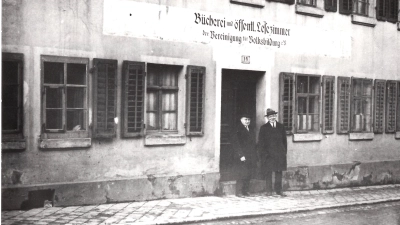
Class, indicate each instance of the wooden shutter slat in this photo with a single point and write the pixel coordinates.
(104, 110)
(328, 97)
(391, 105)
(379, 105)
(195, 100)
(343, 105)
(286, 100)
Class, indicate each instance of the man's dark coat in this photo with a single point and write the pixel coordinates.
(272, 147)
(244, 144)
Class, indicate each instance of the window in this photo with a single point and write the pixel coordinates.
(328, 96)
(104, 98)
(361, 105)
(133, 97)
(299, 107)
(345, 6)
(331, 5)
(379, 105)
(64, 97)
(308, 2)
(391, 104)
(307, 103)
(195, 100)
(12, 92)
(387, 10)
(162, 98)
(361, 7)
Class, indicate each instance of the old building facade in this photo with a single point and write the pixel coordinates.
(122, 100)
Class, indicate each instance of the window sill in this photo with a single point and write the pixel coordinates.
(397, 135)
(307, 137)
(309, 11)
(17, 144)
(361, 136)
(65, 143)
(257, 3)
(164, 139)
(363, 20)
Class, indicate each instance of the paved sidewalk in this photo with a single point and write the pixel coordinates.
(174, 211)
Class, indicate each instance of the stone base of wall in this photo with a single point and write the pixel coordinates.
(100, 192)
(333, 176)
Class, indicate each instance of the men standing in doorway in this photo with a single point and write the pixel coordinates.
(244, 146)
(272, 147)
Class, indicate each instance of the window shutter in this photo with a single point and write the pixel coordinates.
(286, 100)
(392, 10)
(345, 6)
(391, 105)
(343, 105)
(381, 10)
(379, 105)
(331, 5)
(398, 107)
(104, 97)
(328, 97)
(195, 100)
(133, 97)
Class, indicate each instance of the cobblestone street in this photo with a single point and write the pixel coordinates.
(173, 211)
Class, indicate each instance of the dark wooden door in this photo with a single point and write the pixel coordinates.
(238, 96)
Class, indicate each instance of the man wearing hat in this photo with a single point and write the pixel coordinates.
(272, 147)
(244, 145)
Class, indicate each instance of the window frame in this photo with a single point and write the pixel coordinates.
(353, 97)
(307, 95)
(304, 3)
(366, 4)
(159, 90)
(15, 133)
(64, 133)
(106, 132)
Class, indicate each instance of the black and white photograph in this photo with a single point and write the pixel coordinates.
(267, 112)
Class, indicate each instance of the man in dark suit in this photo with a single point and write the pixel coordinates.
(272, 147)
(244, 145)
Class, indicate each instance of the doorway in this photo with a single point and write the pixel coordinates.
(238, 96)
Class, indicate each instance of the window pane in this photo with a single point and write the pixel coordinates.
(76, 120)
(303, 122)
(313, 105)
(75, 97)
(54, 97)
(302, 84)
(76, 73)
(314, 84)
(357, 87)
(10, 96)
(314, 122)
(152, 101)
(54, 119)
(169, 121)
(302, 105)
(367, 114)
(53, 73)
(169, 79)
(169, 101)
(9, 118)
(152, 121)
(152, 78)
(367, 90)
(10, 72)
